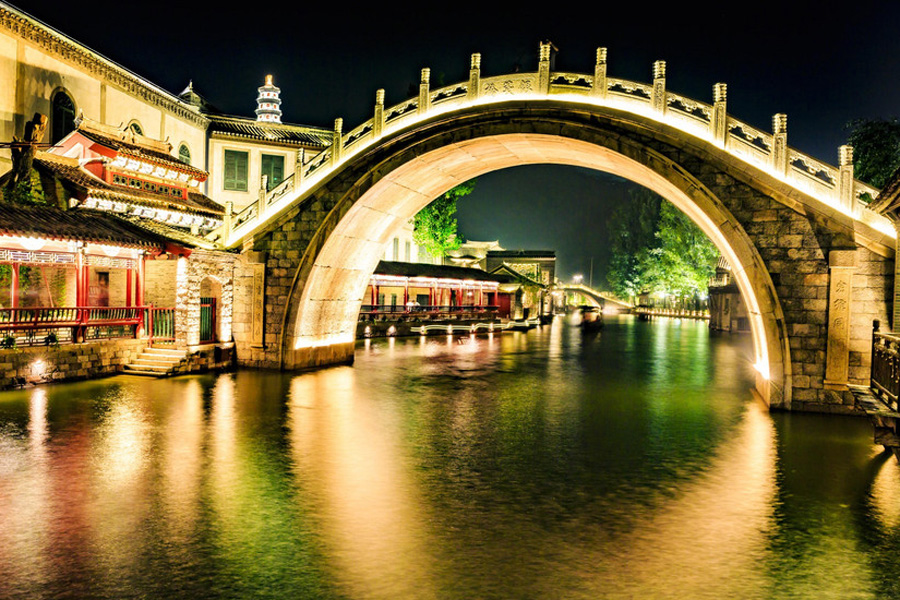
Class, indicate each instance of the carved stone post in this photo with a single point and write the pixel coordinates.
(474, 77)
(425, 92)
(718, 122)
(261, 195)
(837, 352)
(846, 197)
(227, 219)
(600, 87)
(337, 142)
(378, 120)
(544, 69)
(299, 161)
(779, 144)
(658, 96)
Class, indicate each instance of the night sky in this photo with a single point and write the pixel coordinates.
(823, 64)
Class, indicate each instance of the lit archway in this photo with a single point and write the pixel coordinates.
(330, 283)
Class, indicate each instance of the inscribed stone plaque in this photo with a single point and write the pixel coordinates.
(837, 358)
(258, 305)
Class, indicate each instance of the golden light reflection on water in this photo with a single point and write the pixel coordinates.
(350, 455)
(886, 495)
(508, 466)
(182, 457)
(708, 538)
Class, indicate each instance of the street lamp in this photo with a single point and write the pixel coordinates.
(577, 278)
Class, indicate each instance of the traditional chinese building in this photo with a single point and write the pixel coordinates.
(402, 294)
(101, 239)
(727, 310)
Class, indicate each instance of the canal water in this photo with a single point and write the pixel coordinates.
(634, 463)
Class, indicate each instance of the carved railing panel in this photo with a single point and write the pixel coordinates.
(696, 118)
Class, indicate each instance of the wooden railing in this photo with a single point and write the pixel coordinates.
(71, 323)
(671, 312)
(769, 152)
(372, 311)
(885, 374)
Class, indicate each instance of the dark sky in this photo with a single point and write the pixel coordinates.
(823, 64)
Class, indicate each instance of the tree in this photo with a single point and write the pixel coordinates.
(632, 228)
(656, 247)
(876, 149)
(435, 227)
(685, 259)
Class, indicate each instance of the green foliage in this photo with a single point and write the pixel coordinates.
(27, 191)
(434, 227)
(632, 229)
(686, 258)
(656, 247)
(876, 149)
(8, 342)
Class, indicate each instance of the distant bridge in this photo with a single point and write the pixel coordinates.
(599, 297)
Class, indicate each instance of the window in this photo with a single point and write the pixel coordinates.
(62, 116)
(273, 166)
(407, 248)
(396, 250)
(235, 171)
(136, 127)
(184, 154)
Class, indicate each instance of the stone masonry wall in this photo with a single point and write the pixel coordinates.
(40, 364)
(159, 282)
(200, 265)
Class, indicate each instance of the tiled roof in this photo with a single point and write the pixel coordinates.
(405, 269)
(282, 133)
(545, 254)
(84, 184)
(129, 144)
(78, 224)
(178, 234)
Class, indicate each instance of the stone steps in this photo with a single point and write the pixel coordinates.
(156, 362)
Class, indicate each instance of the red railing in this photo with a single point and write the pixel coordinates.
(74, 323)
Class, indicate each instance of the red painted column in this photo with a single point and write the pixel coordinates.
(139, 280)
(15, 285)
(128, 280)
(406, 295)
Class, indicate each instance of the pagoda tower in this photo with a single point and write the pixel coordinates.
(268, 103)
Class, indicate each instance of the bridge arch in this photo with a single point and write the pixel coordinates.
(380, 189)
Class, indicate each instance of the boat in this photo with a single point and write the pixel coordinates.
(591, 318)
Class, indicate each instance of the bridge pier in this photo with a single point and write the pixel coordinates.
(313, 357)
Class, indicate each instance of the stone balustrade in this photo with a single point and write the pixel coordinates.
(768, 152)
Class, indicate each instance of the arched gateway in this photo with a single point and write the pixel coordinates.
(792, 253)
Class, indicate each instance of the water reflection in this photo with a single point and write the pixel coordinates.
(633, 463)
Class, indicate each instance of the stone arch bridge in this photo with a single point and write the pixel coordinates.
(595, 296)
(813, 263)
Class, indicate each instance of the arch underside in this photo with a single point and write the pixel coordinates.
(395, 185)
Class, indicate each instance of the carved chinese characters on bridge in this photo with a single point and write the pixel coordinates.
(837, 359)
(509, 86)
(258, 309)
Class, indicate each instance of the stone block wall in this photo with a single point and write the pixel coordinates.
(40, 364)
(159, 282)
(873, 283)
(199, 266)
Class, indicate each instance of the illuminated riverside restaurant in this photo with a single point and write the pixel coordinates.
(401, 294)
(101, 240)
